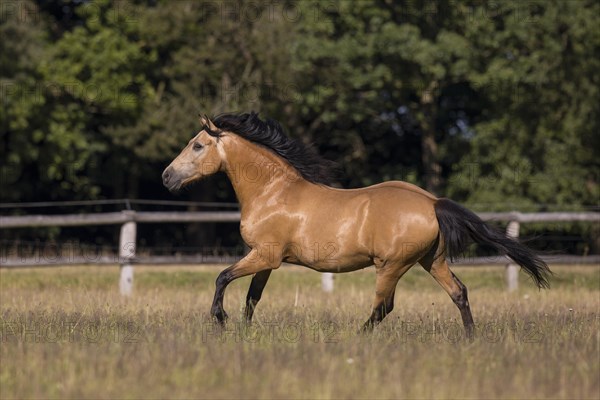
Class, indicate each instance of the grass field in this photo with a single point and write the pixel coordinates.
(66, 333)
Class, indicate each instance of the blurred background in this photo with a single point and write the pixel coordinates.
(494, 104)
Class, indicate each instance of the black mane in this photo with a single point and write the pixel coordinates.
(270, 134)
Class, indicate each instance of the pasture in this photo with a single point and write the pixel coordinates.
(66, 332)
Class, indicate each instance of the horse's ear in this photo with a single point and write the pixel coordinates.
(206, 122)
(203, 119)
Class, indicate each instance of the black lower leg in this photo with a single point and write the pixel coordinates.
(378, 315)
(257, 286)
(462, 302)
(217, 310)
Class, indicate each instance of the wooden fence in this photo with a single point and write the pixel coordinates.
(129, 220)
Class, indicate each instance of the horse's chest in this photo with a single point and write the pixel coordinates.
(246, 231)
(258, 230)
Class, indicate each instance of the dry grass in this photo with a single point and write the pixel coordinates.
(67, 333)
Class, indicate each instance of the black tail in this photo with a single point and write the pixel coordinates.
(460, 227)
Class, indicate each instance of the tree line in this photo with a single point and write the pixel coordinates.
(494, 104)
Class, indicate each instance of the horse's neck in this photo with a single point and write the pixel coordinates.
(256, 172)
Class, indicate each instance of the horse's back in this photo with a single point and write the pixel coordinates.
(389, 219)
(409, 187)
(390, 195)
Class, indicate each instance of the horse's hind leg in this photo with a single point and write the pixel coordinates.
(259, 281)
(438, 268)
(388, 276)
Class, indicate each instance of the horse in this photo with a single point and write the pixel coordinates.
(290, 214)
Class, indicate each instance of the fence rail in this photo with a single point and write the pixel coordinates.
(117, 218)
(209, 259)
(540, 216)
(129, 219)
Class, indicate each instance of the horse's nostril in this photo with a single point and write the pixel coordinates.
(166, 177)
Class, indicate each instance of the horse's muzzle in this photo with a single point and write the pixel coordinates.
(170, 180)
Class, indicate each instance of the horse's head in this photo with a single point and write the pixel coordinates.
(198, 159)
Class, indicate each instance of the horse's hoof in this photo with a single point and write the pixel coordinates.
(366, 329)
(220, 316)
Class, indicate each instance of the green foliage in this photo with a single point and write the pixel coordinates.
(493, 104)
(535, 143)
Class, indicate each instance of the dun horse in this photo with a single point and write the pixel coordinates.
(289, 214)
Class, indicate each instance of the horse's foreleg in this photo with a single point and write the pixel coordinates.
(385, 288)
(257, 285)
(251, 264)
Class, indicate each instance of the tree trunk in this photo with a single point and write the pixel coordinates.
(429, 149)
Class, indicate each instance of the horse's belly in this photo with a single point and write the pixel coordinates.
(329, 261)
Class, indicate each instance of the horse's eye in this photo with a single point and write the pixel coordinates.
(197, 146)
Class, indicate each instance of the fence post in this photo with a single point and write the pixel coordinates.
(512, 269)
(127, 245)
(327, 282)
